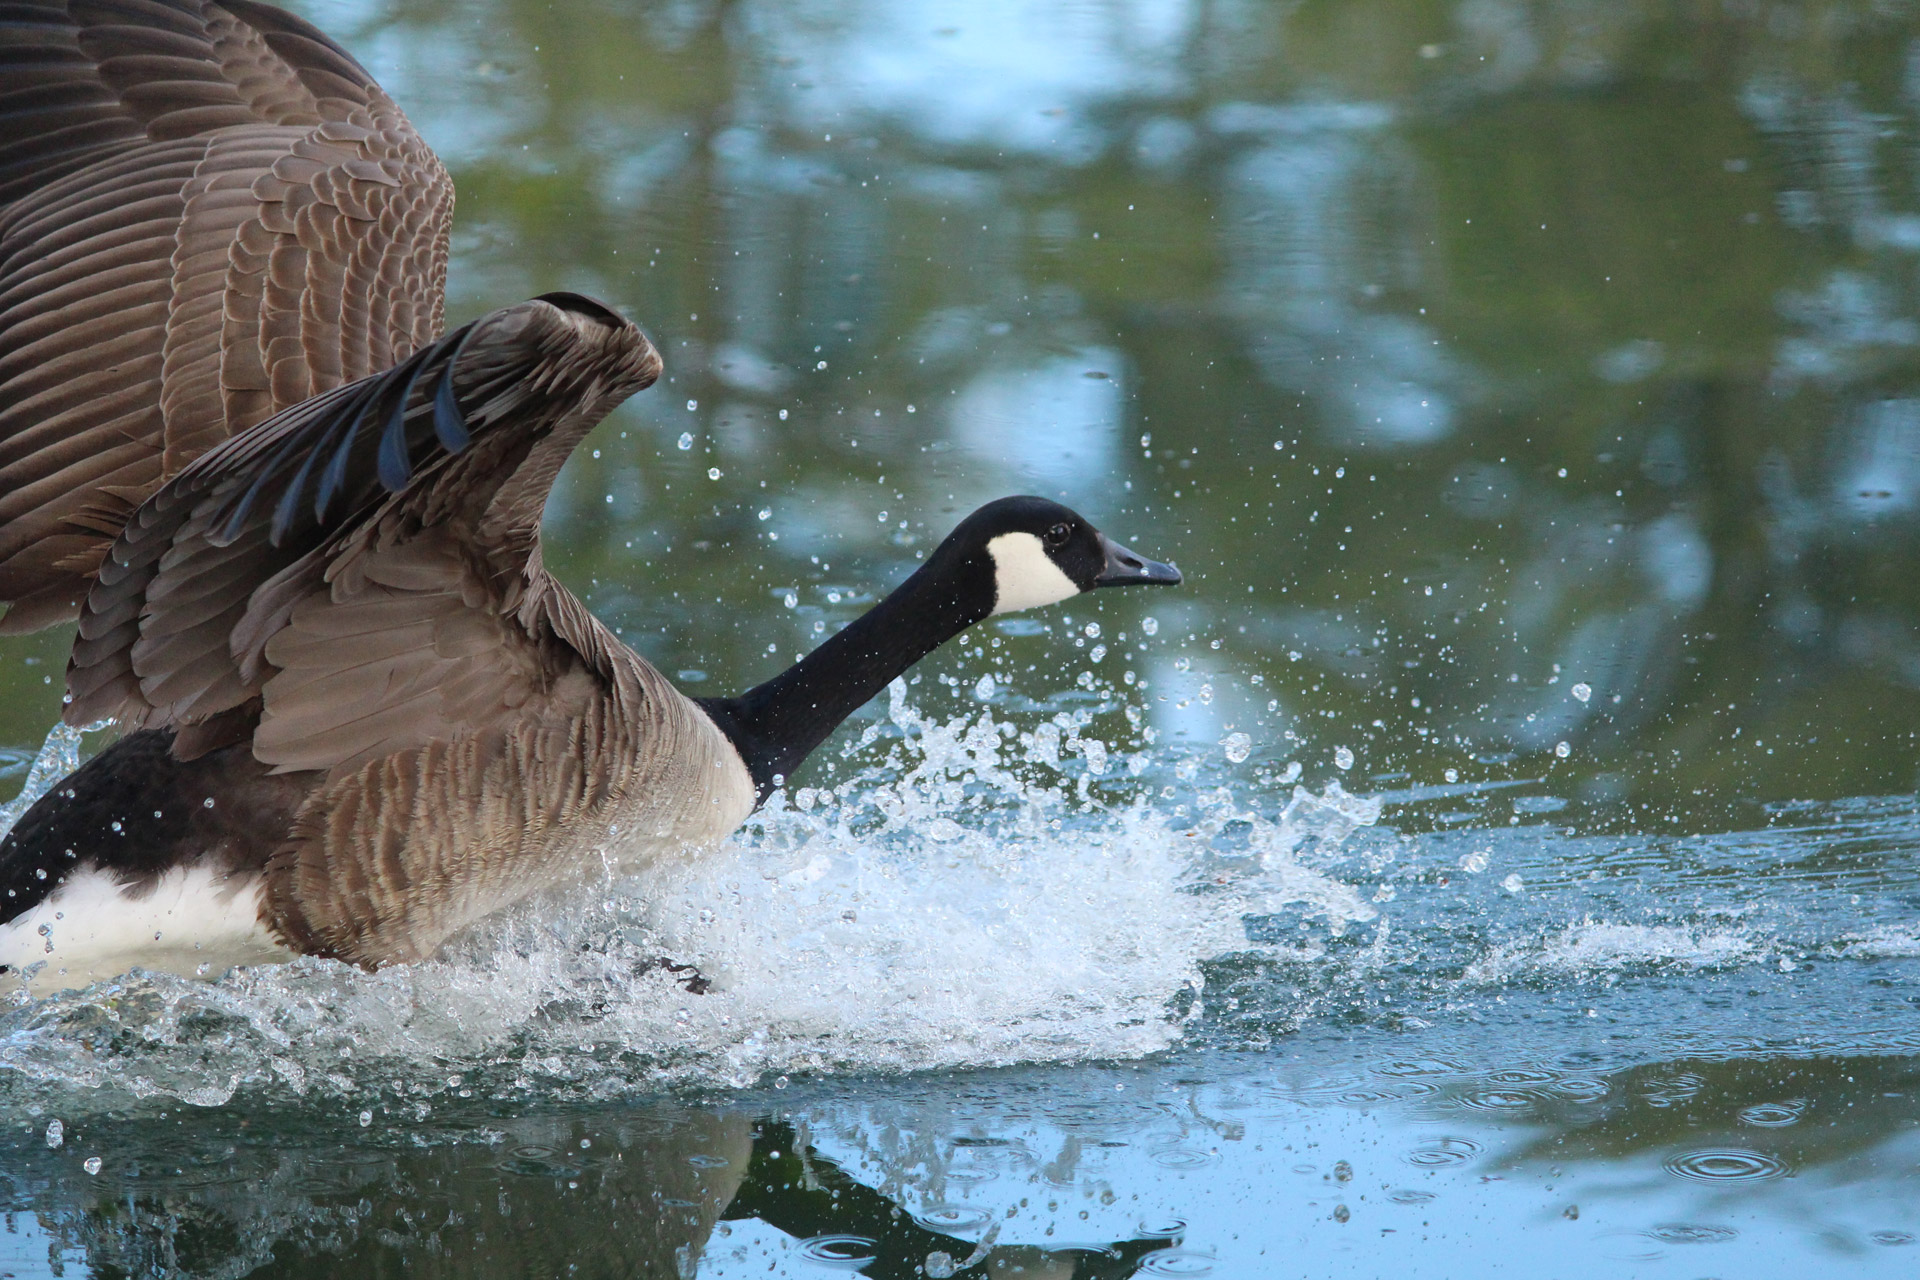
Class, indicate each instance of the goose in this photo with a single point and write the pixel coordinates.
(361, 716)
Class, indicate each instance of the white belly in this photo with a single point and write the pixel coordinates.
(191, 922)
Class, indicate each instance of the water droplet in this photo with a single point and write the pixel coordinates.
(685, 441)
(766, 513)
(1151, 626)
(713, 473)
(1451, 775)
(1563, 749)
(779, 1082)
(1474, 863)
(790, 600)
(1582, 692)
(366, 1119)
(783, 415)
(1342, 1171)
(1092, 630)
(1513, 883)
(92, 1165)
(1206, 695)
(983, 688)
(692, 405)
(1238, 746)
(938, 1265)
(1343, 758)
(1341, 1213)
(56, 1133)
(1571, 1213)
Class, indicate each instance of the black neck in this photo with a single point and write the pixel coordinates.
(776, 725)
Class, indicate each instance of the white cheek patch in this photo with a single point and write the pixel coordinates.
(1024, 575)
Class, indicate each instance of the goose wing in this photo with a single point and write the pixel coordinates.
(209, 212)
(361, 574)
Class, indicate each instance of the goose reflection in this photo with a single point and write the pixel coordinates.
(634, 1193)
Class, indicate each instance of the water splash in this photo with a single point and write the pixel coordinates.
(1593, 946)
(59, 756)
(978, 893)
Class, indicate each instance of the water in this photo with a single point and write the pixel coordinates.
(1500, 851)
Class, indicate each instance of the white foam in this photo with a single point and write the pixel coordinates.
(1593, 946)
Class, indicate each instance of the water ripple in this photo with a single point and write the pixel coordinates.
(953, 1218)
(1726, 1164)
(1177, 1262)
(1581, 1089)
(1691, 1233)
(1181, 1158)
(1774, 1115)
(1442, 1152)
(1499, 1099)
(839, 1251)
(1521, 1075)
(1405, 1067)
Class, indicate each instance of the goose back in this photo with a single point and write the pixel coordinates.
(209, 212)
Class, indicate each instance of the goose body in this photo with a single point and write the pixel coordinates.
(358, 713)
(361, 715)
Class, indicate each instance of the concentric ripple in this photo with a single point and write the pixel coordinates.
(1442, 1152)
(1181, 1158)
(1499, 1099)
(1774, 1115)
(1726, 1164)
(1161, 1228)
(1177, 1262)
(839, 1250)
(953, 1218)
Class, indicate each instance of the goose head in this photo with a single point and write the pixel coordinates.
(1012, 554)
(1030, 552)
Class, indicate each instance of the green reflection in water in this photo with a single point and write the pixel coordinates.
(1440, 257)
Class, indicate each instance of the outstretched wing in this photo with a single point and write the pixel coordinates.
(361, 574)
(209, 212)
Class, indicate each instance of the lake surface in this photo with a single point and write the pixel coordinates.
(1502, 856)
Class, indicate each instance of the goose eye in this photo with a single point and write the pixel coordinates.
(1057, 536)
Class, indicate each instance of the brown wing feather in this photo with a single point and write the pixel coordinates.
(208, 213)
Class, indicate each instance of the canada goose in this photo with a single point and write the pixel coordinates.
(208, 213)
(362, 714)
